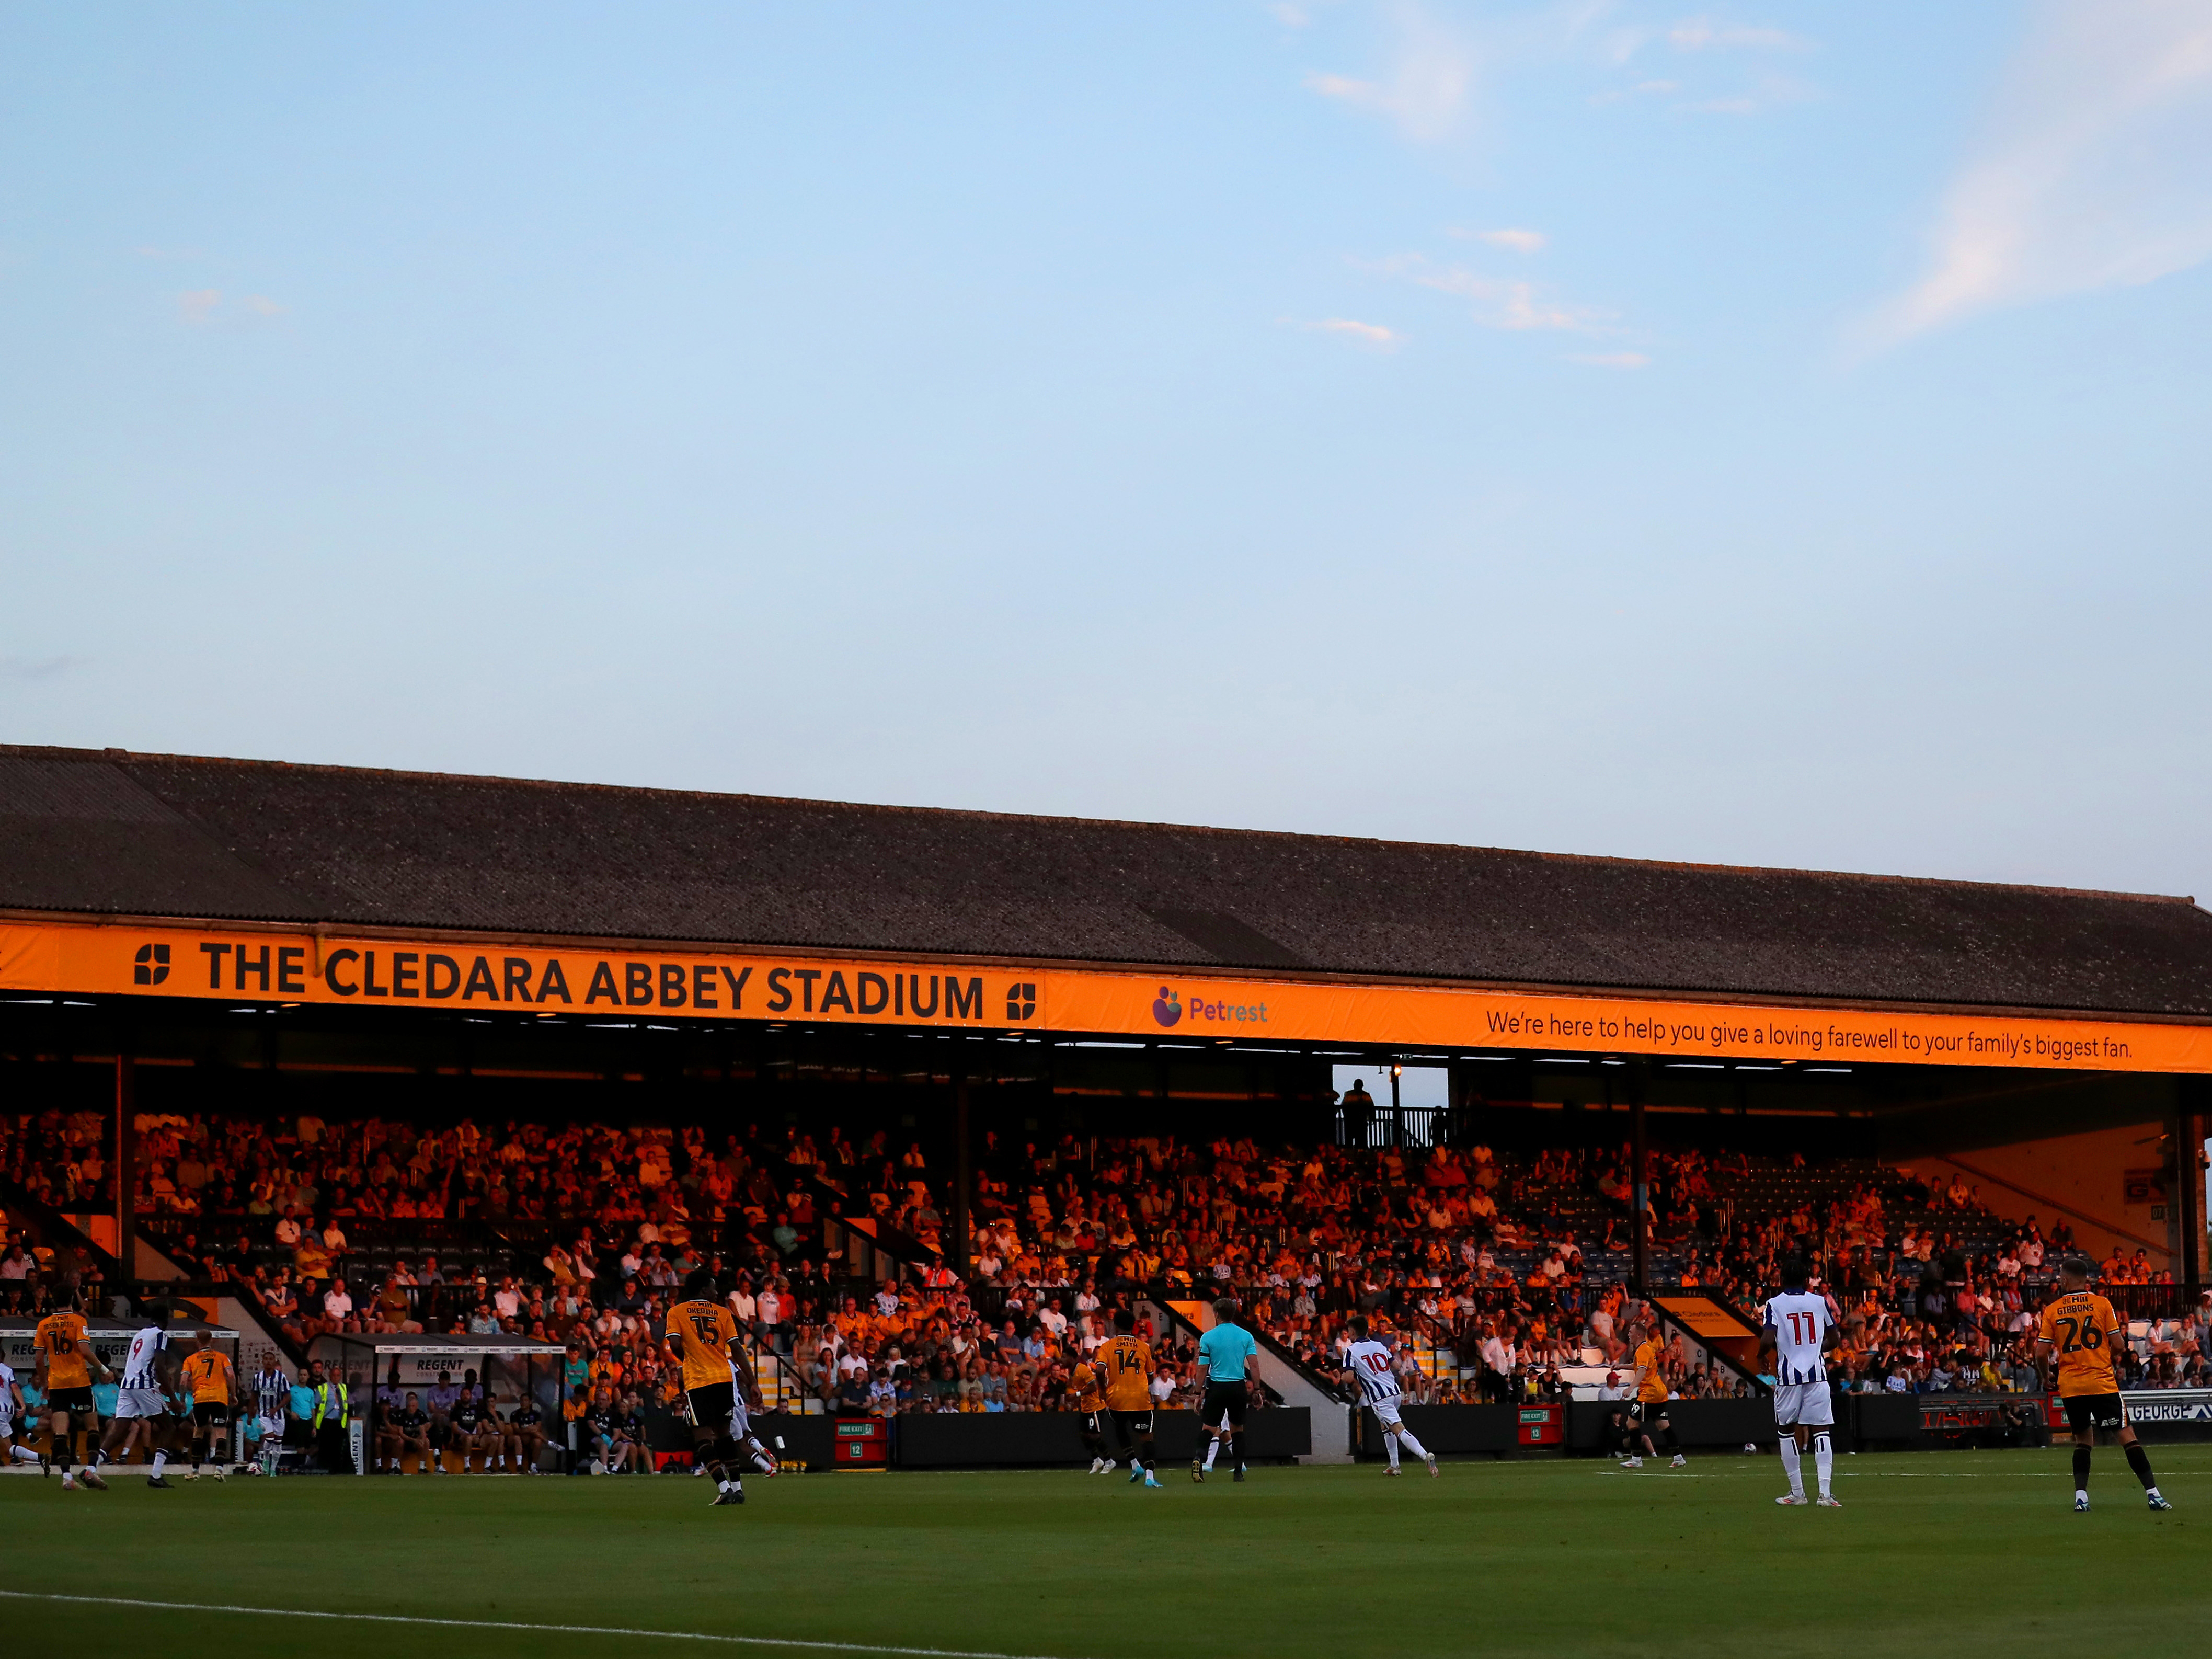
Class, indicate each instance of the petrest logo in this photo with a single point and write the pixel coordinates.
(151, 965)
(1228, 1013)
(1169, 1009)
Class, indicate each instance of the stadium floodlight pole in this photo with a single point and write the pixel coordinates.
(1640, 1182)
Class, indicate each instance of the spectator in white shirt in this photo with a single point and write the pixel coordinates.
(742, 1302)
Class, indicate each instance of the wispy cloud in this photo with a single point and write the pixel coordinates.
(1509, 303)
(1708, 37)
(1516, 241)
(201, 307)
(1367, 334)
(30, 671)
(1610, 359)
(1705, 34)
(1426, 89)
(2091, 172)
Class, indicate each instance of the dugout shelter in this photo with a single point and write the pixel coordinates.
(421, 1360)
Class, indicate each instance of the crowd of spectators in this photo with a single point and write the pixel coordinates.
(1511, 1264)
(60, 1160)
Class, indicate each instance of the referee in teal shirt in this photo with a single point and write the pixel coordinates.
(1224, 1352)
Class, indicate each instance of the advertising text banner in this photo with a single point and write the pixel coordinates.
(279, 966)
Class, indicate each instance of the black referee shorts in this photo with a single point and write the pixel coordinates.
(1228, 1399)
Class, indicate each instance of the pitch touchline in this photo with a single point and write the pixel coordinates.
(505, 1623)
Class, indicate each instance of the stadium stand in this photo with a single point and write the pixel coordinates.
(454, 1162)
(1502, 1272)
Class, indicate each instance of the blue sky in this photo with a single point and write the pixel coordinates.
(1764, 434)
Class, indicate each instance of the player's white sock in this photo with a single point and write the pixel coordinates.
(1791, 1467)
(1823, 1460)
(160, 1461)
(1412, 1444)
(762, 1461)
(27, 1455)
(1390, 1445)
(1211, 1446)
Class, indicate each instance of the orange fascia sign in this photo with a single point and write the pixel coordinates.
(266, 965)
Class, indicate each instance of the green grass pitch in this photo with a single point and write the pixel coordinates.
(1496, 1558)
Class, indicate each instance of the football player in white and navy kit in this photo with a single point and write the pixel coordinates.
(744, 1399)
(1798, 1330)
(11, 1411)
(1373, 1365)
(272, 1393)
(141, 1404)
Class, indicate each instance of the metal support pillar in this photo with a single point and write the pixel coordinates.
(956, 1254)
(1397, 1109)
(127, 1163)
(2185, 1188)
(1639, 1231)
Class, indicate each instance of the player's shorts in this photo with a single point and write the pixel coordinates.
(210, 1414)
(1222, 1400)
(1808, 1404)
(1640, 1409)
(713, 1405)
(2094, 1410)
(272, 1428)
(1386, 1411)
(1094, 1422)
(140, 1402)
(78, 1400)
(1133, 1424)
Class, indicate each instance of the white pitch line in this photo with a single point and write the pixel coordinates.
(503, 1624)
